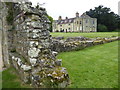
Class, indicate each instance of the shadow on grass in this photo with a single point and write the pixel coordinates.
(10, 79)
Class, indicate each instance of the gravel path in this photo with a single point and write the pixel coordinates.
(0, 50)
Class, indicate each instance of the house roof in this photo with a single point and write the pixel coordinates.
(84, 15)
(64, 21)
(71, 20)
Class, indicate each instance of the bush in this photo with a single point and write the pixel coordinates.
(102, 28)
(117, 30)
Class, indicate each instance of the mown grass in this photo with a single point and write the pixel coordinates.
(93, 67)
(90, 35)
(10, 79)
(0, 79)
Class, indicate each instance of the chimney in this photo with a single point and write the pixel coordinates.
(77, 14)
(60, 18)
(84, 13)
(66, 18)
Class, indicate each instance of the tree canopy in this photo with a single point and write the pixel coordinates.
(105, 17)
(51, 21)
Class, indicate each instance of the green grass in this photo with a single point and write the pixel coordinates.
(93, 67)
(0, 80)
(90, 35)
(11, 80)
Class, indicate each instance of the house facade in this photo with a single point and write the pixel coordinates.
(83, 23)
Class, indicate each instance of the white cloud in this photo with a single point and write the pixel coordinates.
(68, 8)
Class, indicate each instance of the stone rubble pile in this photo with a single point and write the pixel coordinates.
(78, 43)
(80, 38)
(33, 58)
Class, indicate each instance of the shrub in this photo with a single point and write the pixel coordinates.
(102, 28)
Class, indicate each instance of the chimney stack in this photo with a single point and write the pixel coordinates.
(60, 18)
(77, 14)
(66, 18)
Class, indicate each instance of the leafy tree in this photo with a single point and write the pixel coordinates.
(105, 17)
(51, 21)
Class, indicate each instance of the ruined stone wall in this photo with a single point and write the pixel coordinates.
(59, 44)
(33, 58)
(4, 39)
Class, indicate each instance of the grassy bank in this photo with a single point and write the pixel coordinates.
(93, 67)
(11, 80)
(90, 35)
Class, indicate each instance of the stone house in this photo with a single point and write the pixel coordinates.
(83, 23)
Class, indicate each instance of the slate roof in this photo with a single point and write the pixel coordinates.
(84, 15)
(71, 20)
(64, 21)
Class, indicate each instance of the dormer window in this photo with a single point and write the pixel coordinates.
(65, 21)
(70, 20)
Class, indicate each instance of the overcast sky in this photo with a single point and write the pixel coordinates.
(68, 8)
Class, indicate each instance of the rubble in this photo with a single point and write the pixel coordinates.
(78, 43)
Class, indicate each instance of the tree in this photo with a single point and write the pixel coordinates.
(105, 17)
(51, 21)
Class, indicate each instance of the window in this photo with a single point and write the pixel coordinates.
(62, 21)
(93, 22)
(77, 22)
(86, 21)
(69, 24)
(77, 28)
(69, 28)
(70, 20)
(80, 22)
(61, 25)
(80, 28)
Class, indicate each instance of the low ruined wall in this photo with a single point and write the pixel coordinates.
(32, 56)
(77, 43)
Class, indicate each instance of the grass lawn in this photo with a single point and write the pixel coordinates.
(0, 80)
(90, 35)
(93, 67)
(11, 80)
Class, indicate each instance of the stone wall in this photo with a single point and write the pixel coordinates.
(59, 44)
(4, 39)
(31, 52)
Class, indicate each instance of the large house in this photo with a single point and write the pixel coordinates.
(83, 23)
